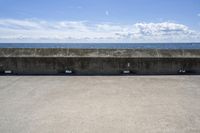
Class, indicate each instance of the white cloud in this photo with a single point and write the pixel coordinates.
(107, 13)
(12, 30)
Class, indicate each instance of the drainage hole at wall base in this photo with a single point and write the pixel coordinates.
(126, 72)
(68, 72)
(182, 71)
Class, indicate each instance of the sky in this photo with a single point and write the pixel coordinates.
(100, 21)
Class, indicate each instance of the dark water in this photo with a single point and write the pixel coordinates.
(104, 45)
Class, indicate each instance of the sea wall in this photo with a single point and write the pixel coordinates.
(99, 61)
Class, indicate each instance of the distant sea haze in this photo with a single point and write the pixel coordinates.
(104, 45)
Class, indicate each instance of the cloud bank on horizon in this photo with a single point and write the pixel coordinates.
(29, 30)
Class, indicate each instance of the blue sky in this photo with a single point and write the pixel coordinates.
(99, 20)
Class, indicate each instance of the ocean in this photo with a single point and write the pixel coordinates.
(104, 45)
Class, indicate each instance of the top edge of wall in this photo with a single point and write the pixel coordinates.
(99, 53)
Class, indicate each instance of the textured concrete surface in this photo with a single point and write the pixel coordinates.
(138, 104)
(97, 53)
(99, 61)
(100, 66)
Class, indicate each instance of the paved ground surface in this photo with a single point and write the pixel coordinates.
(141, 104)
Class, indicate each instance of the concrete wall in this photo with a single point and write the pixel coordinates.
(100, 53)
(99, 62)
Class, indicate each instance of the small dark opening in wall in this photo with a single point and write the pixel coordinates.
(182, 72)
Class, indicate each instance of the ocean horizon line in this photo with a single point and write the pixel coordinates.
(104, 45)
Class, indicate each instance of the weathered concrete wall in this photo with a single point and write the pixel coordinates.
(100, 65)
(99, 61)
(97, 53)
